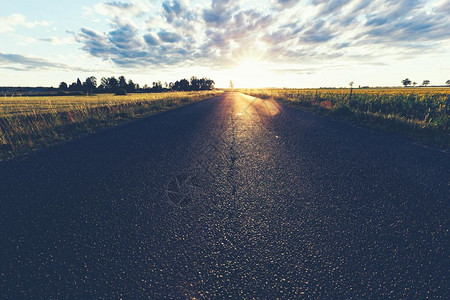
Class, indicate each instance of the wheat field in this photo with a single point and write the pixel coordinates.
(28, 123)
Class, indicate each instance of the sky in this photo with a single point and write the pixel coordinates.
(272, 43)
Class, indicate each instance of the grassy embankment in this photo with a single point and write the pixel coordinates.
(422, 114)
(28, 123)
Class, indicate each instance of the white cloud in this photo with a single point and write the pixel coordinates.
(9, 23)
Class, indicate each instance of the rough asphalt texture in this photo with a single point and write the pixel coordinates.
(230, 197)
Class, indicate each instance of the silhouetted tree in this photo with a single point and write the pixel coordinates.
(79, 85)
(113, 83)
(447, 82)
(104, 82)
(406, 82)
(63, 86)
(122, 82)
(207, 84)
(195, 84)
(131, 87)
(90, 84)
(182, 85)
(73, 86)
(425, 82)
(157, 87)
(414, 83)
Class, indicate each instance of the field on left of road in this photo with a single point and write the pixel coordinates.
(29, 123)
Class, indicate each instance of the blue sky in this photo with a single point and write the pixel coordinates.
(279, 43)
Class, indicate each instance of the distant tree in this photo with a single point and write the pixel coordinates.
(414, 83)
(182, 85)
(113, 83)
(207, 84)
(104, 83)
(406, 82)
(122, 82)
(131, 87)
(79, 85)
(425, 82)
(63, 86)
(447, 82)
(231, 84)
(157, 87)
(195, 84)
(90, 84)
(73, 86)
(185, 86)
(351, 84)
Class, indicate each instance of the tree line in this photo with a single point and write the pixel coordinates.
(407, 82)
(120, 85)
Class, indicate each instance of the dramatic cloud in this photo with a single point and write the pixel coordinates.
(173, 10)
(151, 40)
(221, 12)
(169, 37)
(182, 33)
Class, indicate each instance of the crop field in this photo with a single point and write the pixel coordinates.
(422, 114)
(28, 123)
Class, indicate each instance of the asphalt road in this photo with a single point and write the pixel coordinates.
(230, 197)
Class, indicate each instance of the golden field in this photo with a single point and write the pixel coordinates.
(28, 123)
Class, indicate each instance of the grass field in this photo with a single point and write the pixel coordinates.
(422, 114)
(28, 123)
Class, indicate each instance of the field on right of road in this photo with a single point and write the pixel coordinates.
(421, 113)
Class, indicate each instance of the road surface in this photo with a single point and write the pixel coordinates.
(230, 197)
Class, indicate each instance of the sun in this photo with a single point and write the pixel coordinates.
(250, 72)
(249, 64)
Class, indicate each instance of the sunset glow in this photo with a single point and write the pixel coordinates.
(251, 73)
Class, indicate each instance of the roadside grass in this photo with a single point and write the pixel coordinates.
(29, 123)
(422, 114)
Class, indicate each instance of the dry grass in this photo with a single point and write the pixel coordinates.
(28, 123)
